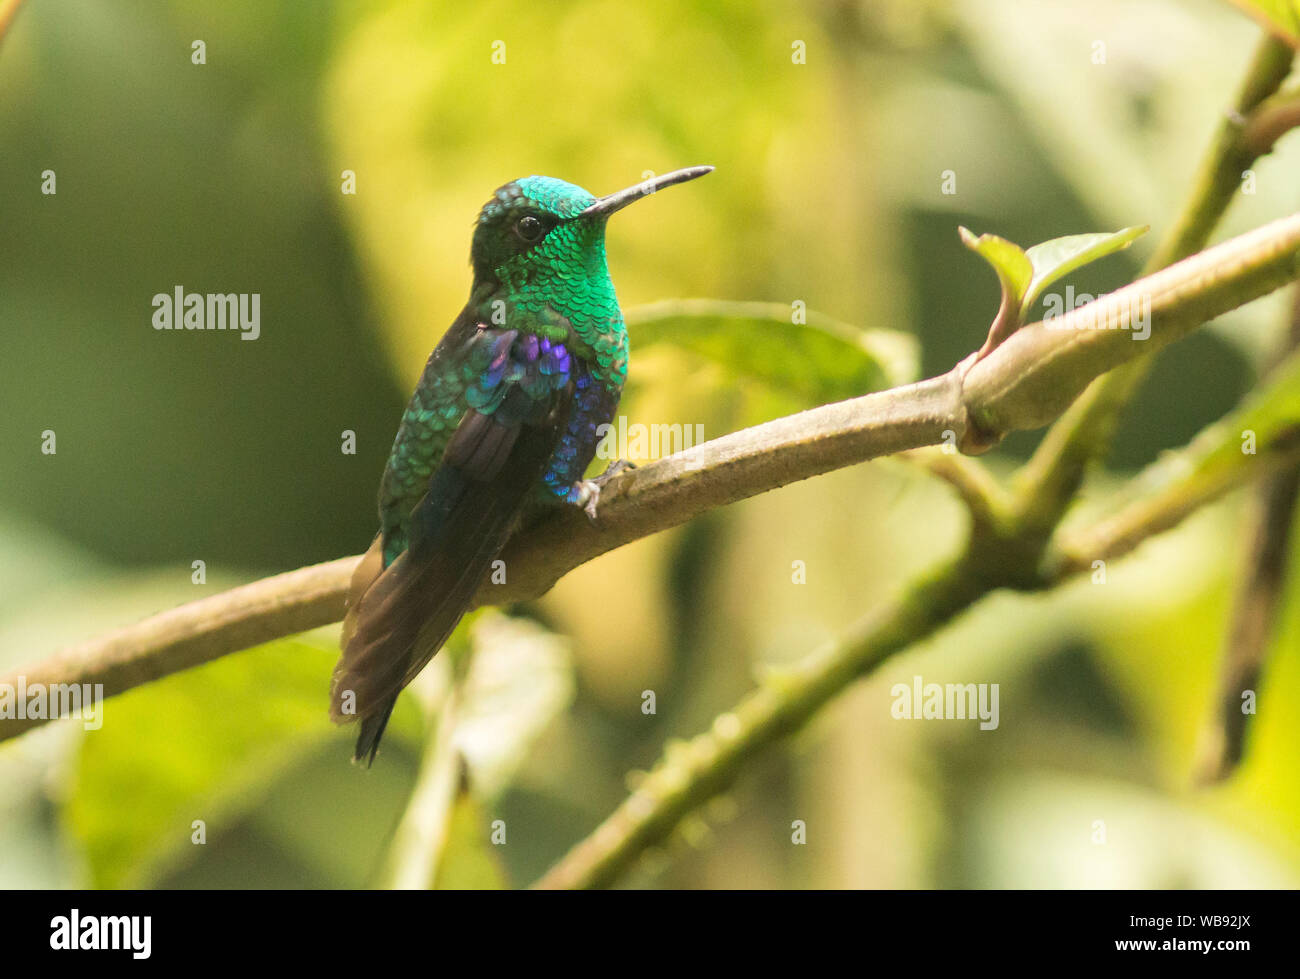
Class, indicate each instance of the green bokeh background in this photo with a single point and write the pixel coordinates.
(176, 447)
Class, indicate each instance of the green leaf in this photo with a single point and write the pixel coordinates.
(1009, 261)
(1055, 259)
(198, 745)
(1282, 17)
(820, 360)
(1024, 275)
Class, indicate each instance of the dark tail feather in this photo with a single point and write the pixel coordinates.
(372, 729)
(410, 608)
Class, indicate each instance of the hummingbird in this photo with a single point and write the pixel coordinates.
(505, 419)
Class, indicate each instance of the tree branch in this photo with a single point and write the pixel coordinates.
(1272, 120)
(1021, 384)
(692, 773)
(1122, 533)
(689, 775)
(1219, 178)
(1057, 468)
(1044, 487)
(1257, 604)
(1255, 614)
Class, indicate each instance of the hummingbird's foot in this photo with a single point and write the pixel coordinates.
(586, 494)
(613, 469)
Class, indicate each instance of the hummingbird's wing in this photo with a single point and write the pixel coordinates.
(400, 616)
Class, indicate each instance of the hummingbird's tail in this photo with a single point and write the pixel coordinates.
(399, 616)
(372, 729)
(372, 726)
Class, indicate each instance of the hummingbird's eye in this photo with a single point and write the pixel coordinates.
(530, 228)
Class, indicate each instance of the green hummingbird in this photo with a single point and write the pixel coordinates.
(506, 417)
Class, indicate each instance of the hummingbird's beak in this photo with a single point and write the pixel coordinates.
(622, 198)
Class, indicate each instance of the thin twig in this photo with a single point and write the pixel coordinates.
(1271, 121)
(1121, 534)
(1256, 607)
(986, 501)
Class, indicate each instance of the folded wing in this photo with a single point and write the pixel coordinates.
(400, 615)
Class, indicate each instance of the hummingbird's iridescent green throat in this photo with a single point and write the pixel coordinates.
(539, 248)
(504, 418)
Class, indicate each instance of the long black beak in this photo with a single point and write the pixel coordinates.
(622, 198)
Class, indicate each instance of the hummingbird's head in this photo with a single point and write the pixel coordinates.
(538, 223)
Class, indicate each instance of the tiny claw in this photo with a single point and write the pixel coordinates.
(586, 494)
(613, 469)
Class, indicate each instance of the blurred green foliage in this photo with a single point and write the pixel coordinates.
(172, 448)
